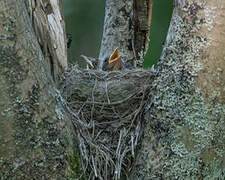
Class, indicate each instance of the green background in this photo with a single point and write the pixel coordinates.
(85, 18)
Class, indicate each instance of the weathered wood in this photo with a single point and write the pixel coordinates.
(49, 27)
(142, 19)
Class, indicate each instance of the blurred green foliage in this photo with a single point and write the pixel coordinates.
(161, 16)
(85, 19)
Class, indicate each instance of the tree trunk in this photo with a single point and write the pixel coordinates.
(35, 133)
(184, 136)
(126, 27)
(182, 110)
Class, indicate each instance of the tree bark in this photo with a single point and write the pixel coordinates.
(184, 136)
(35, 133)
(49, 26)
(126, 27)
(183, 116)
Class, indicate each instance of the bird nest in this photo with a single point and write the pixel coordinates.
(107, 109)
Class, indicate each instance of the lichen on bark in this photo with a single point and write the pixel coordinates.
(184, 130)
(36, 140)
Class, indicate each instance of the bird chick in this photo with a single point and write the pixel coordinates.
(112, 63)
(91, 63)
(115, 62)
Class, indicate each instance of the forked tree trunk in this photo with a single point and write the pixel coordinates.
(184, 117)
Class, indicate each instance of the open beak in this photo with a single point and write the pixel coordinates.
(115, 61)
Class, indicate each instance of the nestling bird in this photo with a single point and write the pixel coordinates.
(113, 63)
(91, 63)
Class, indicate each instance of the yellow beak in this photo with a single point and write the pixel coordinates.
(115, 61)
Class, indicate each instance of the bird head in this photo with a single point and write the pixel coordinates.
(115, 62)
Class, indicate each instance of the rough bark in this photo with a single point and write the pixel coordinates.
(184, 118)
(126, 27)
(35, 133)
(184, 135)
(48, 23)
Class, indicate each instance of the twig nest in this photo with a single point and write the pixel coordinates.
(108, 108)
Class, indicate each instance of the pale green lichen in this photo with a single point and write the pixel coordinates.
(9, 28)
(193, 129)
(59, 113)
(30, 134)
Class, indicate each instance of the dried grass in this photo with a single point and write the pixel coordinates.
(107, 112)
